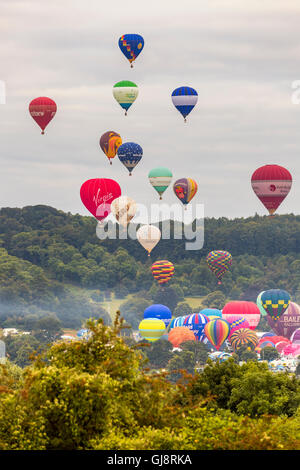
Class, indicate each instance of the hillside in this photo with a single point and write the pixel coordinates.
(52, 263)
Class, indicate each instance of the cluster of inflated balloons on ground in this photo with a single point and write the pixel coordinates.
(233, 326)
(271, 183)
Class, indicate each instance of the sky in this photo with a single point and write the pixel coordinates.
(241, 57)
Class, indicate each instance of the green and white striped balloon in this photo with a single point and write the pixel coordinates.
(160, 178)
(125, 93)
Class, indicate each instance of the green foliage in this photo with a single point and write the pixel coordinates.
(97, 394)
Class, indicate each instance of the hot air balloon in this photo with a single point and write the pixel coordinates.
(160, 179)
(244, 337)
(97, 195)
(148, 236)
(217, 332)
(236, 322)
(295, 338)
(265, 344)
(131, 45)
(177, 321)
(152, 328)
(185, 189)
(275, 302)
(125, 93)
(184, 99)
(288, 322)
(124, 209)
(211, 313)
(179, 335)
(42, 110)
(271, 184)
(110, 141)
(219, 262)
(281, 346)
(162, 271)
(162, 312)
(259, 304)
(241, 308)
(130, 154)
(196, 322)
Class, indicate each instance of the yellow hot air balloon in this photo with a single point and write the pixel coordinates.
(152, 328)
(148, 236)
(124, 209)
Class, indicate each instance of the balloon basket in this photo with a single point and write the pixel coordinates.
(43, 132)
(131, 66)
(125, 113)
(110, 163)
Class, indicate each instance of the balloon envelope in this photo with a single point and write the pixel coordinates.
(211, 313)
(42, 110)
(217, 332)
(152, 328)
(179, 335)
(110, 141)
(130, 154)
(124, 209)
(196, 322)
(248, 310)
(185, 189)
(160, 179)
(295, 338)
(259, 304)
(288, 322)
(184, 99)
(131, 45)
(275, 302)
(148, 236)
(271, 184)
(97, 195)
(162, 271)
(125, 93)
(177, 321)
(162, 312)
(219, 262)
(244, 337)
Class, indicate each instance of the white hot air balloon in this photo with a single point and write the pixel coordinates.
(123, 209)
(148, 236)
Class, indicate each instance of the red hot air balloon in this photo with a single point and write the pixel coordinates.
(271, 184)
(247, 310)
(42, 110)
(97, 195)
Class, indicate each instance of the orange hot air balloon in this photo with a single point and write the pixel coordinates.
(110, 141)
(179, 335)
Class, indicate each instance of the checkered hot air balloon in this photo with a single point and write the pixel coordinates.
(162, 271)
(219, 262)
(275, 302)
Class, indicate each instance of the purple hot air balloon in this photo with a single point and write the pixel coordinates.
(288, 322)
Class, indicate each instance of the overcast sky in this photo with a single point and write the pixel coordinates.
(241, 56)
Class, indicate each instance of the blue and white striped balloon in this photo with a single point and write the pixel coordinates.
(184, 99)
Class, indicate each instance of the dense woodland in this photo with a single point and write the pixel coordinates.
(101, 394)
(56, 273)
(53, 264)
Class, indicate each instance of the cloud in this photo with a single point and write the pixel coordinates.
(241, 57)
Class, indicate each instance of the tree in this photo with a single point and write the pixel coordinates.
(269, 353)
